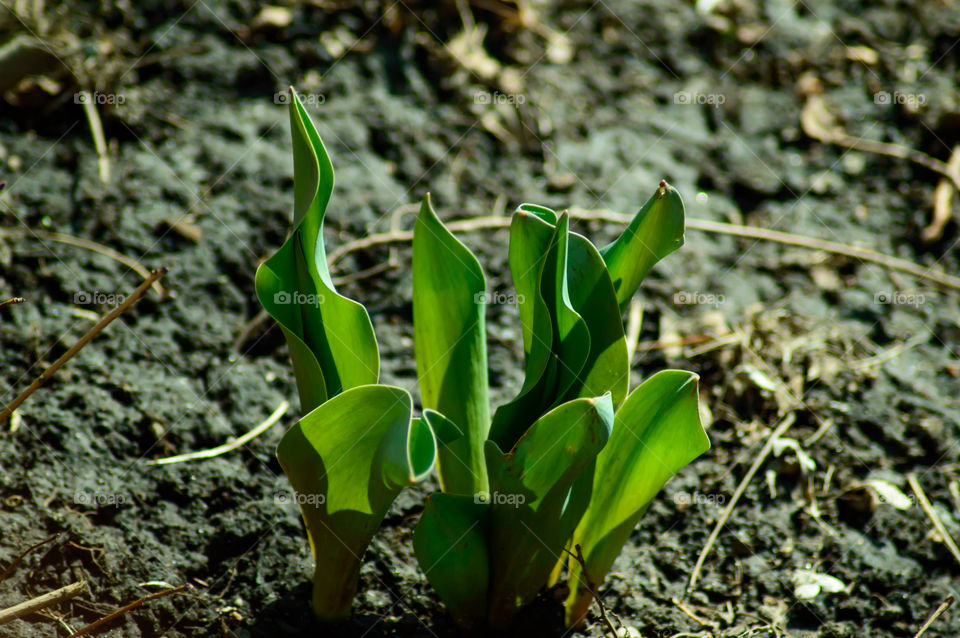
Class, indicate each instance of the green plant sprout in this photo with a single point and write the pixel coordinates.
(357, 444)
(573, 459)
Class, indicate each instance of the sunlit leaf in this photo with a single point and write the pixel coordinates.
(532, 516)
(451, 347)
(656, 432)
(330, 337)
(347, 460)
(655, 232)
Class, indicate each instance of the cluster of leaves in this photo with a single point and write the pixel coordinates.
(573, 460)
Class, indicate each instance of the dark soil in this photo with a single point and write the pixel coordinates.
(873, 386)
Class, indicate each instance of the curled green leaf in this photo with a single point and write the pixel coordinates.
(330, 337)
(347, 460)
(656, 432)
(532, 515)
(655, 232)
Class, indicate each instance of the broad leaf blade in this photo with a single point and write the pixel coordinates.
(347, 460)
(531, 230)
(451, 547)
(270, 285)
(532, 515)
(571, 336)
(295, 288)
(557, 355)
(530, 240)
(655, 232)
(451, 346)
(593, 297)
(657, 431)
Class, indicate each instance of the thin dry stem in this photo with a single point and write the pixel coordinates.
(84, 340)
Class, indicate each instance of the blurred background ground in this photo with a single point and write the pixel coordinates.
(486, 104)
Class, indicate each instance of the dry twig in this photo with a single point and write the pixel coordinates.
(137, 603)
(16, 561)
(40, 602)
(592, 588)
(84, 340)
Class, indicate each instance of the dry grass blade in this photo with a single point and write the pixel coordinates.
(12, 301)
(942, 201)
(757, 463)
(944, 606)
(96, 129)
(232, 445)
(750, 232)
(79, 242)
(932, 515)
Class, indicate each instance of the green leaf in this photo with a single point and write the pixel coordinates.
(450, 545)
(571, 337)
(532, 516)
(656, 432)
(451, 347)
(445, 430)
(592, 296)
(531, 230)
(347, 460)
(530, 238)
(556, 356)
(330, 337)
(655, 232)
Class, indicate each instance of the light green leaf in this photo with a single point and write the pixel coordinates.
(451, 346)
(592, 296)
(656, 432)
(347, 460)
(556, 356)
(571, 337)
(331, 339)
(450, 545)
(531, 230)
(532, 517)
(655, 232)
